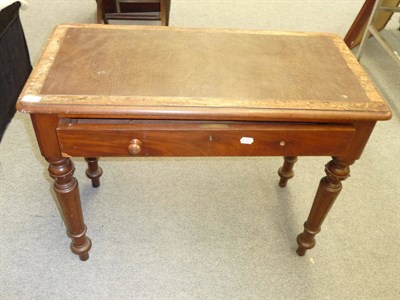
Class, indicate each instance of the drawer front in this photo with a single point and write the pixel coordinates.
(166, 138)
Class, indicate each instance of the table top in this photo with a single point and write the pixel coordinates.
(182, 73)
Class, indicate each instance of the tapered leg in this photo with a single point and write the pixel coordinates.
(99, 12)
(286, 171)
(329, 188)
(94, 171)
(67, 191)
(163, 10)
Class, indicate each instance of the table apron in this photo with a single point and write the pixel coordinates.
(169, 138)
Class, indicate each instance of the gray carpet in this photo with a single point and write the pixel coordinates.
(204, 228)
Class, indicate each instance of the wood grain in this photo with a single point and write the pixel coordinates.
(98, 138)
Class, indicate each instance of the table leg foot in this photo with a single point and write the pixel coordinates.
(81, 250)
(93, 171)
(329, 188)
(301, 251)
(306, 240)
(67, 192)
(286, 171)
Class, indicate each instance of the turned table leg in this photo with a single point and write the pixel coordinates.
(286, 171)
(329, 188)
(99, 12)
(93, 171)
(66, 188)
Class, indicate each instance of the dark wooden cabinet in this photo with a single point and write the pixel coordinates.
(145, 10)
(15, 65)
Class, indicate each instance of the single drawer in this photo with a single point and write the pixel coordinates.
(100, 137)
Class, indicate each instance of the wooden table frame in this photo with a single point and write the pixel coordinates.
(99, 125)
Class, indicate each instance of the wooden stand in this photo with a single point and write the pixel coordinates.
(354, 35)
(134, 10)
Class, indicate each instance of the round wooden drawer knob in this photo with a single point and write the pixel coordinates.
(135, 147)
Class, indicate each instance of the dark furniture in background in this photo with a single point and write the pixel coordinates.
(15, 65)
(372, 29)
(356, 31)
(147, 10)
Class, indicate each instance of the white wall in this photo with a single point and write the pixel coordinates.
(291, 15)
(287, 15)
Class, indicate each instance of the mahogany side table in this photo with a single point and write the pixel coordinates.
(106, 90)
